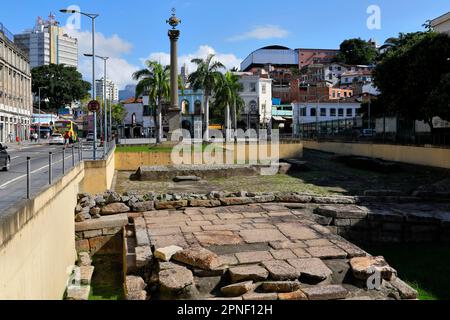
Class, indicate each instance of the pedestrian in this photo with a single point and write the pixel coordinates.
(18, 140)
(11, 137)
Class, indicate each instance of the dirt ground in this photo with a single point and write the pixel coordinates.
(325, 175)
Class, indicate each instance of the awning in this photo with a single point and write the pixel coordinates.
(276, 118)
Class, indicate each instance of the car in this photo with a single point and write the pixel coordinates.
(368, 132)
(90, 137)
(56, 138)
(5, 159)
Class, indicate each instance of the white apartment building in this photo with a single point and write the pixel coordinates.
(310, 112)
(47, 43)
(112, 91)
(442, 24)
(16, 101)
(256, 91)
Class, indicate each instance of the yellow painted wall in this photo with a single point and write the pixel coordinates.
(131, 161)
(433, 157)
(99, 175)
(37, 243)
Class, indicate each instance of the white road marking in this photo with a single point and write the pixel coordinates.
(15, 157)
(3, 186)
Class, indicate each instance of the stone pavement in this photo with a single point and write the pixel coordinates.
(256, 252)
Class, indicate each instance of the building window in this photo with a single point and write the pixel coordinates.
(185, 107)
(313, 112)
(303, 112)
(332, 112)
(252, 87)
(264, 89)
(323, 112)
(330, 76)
(198, 107)
(341, 113)
(349, 112)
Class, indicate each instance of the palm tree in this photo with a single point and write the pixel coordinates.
(154, 80)
(206, 77)
(227, 94)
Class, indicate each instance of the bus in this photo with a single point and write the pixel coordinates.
(67, 127)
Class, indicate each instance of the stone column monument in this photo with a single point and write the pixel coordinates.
(173, 114)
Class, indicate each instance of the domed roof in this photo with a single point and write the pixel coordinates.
(276, 47)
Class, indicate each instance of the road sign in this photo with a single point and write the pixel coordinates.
(94, 106)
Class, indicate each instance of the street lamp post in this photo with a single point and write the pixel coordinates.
(105, 126)
(39, 125)
(92, 16)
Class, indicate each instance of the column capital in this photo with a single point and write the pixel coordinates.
(174, 34)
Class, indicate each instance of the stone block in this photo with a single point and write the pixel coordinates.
(330, 252)
(311, 269)
(364, 267)
(296, 231)
(280, 270)
(280, 286)
(262, 235)
(293, 296)
(247, 273)
(166, 205)
(86, 273)
(237, 289)
(119, 220)
(330, 292)
(80, 293)
(143, 206)
(253, 296)
(92, 233)
(82, 245)
(198, 257)
(115, 208)
(165, 254)
(253, 256)
(204, 203)
(143, 256)
(236, 201)
(134, 283)
(342, 211)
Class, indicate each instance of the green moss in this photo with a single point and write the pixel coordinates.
(107, 281)
(426, 267)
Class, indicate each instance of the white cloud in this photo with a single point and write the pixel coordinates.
(119, 69)
(262, 33)
(228, 59)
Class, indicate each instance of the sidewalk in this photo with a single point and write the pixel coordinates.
(12, 146)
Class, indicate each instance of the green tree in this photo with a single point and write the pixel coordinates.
(414, 77)
(60, 84)
(226, 95)
(154, 81)
(206, 77)
(118, 113)
(356, 51)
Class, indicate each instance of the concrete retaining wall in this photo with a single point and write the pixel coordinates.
(99, 175)
(433, 157)
(131, 161)
(37, 243)
(37, 246)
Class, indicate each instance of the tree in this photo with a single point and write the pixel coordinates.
(60, 84)
(154, 80)
(118, 113)
(226, 95)
(356, 51)
(414, 77)
(206, 77)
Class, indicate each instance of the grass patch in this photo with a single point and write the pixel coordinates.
(426, 267)
(107, 281)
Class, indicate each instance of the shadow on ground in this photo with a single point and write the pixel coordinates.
(425, 266)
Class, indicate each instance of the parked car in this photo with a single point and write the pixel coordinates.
(56, 138)
(90, 137)
(368, 132)
(5, 159)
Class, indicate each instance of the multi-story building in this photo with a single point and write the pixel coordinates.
(16, 100)
(256, 92)
(316, 113)
(279, 62)
(112, 92)
(322, 91)
(184, 74)
(442, 24)
(315, 56)
(47, 43)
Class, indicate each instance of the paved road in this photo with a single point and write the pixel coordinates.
(13, 184)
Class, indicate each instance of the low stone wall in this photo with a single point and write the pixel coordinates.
(399, 223)
(359, 218)
(99, 175)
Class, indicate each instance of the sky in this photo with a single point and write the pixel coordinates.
(132, 31)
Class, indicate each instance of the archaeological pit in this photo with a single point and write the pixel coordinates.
(251, 246)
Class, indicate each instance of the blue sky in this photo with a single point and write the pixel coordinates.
(131, 31)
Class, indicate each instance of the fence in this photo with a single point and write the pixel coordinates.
(352, 131)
